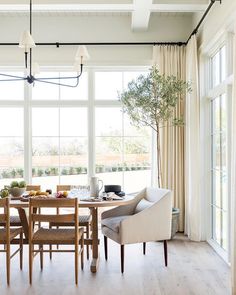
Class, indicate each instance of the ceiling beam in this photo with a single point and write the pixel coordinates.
(141, 15)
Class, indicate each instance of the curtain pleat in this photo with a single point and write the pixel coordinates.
(171, 60)
(192, 146)
(233, 177)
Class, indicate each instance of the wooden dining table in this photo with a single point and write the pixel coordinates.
(92, 205)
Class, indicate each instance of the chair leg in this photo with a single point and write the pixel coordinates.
(8, 263)
(41, 256)
(165, 252)
(82, 252)
(105, 246)
(122, 252)
(76, 263)
(50, 247)
(21, 250)
(87, 237)
(30, 263)
(58, 211)
(144, 248)
(39, 223)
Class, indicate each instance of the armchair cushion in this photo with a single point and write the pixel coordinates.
(143, 204)
(113, 223)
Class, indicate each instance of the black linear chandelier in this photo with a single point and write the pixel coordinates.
(27, 43)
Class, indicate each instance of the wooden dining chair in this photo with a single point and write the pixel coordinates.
(8, 234)
(84, 220)
(34, 187)
(15, 219)
(54, 236)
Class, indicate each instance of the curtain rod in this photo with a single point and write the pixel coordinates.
(58, 44)
(195, 31)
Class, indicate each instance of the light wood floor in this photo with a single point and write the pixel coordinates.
(194, 268)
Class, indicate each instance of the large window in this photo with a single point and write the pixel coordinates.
(220, 97)
(122, 152)
(219, 172)
(11, 145)
(73, 133)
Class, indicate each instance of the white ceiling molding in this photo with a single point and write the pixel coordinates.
(140, 9)
(69, 7)
(178, 7)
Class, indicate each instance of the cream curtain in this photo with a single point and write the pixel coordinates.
(192, 146)
(233, 177)
(171, 60)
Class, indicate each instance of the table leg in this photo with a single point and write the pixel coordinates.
(95, 242)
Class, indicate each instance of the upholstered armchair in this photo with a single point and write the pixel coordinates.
(146, 219)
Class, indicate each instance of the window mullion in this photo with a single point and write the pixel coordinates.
(27, 133)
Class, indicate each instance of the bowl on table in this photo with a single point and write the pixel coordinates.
(17, 192)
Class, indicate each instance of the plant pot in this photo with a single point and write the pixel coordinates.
(175, 221)
(17, 191)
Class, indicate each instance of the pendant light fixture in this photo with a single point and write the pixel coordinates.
(32, 68)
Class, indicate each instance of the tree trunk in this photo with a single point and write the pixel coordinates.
(159, 178)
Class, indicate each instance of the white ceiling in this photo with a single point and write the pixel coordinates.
(139, 10)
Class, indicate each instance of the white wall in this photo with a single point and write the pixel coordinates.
(77, 28)
(219, 19)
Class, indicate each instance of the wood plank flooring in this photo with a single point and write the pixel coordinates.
(194, 269)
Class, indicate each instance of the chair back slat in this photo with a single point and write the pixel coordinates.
(62, 187)
(52, 202)
(64, 218)
(32, 187)
(5, 216)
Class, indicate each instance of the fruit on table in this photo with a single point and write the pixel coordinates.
(32, 193)
(65, 194)
(61, 195)
(37, 193)
(4, 193)
(20, 184)
(14, 184)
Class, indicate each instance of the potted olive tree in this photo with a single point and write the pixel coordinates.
(150, 100)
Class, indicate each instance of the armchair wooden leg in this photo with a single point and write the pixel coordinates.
(87, 237)
(105, 246)
(50, 253)
(41, 256)
(144, 248)
(122, 252)
(21, 250)
(165, 252)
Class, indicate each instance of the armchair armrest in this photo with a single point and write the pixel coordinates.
(126, 209)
